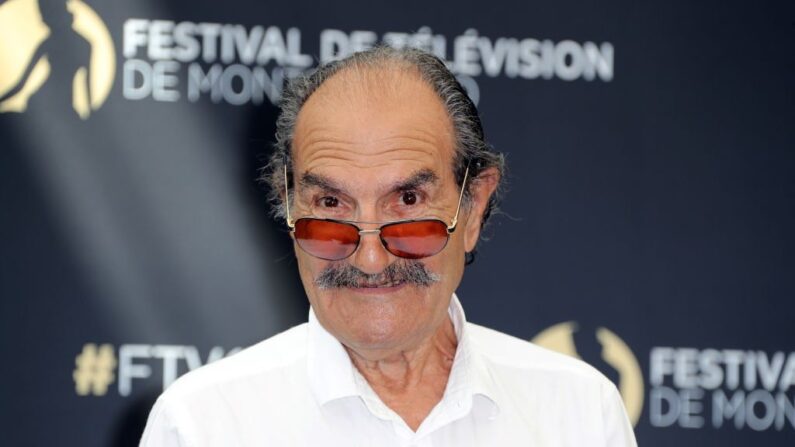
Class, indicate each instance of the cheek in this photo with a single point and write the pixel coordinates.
(456, 248)
(449, 264)
(308, 268)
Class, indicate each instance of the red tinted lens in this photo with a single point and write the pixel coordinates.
(414, 240)
(326, 239)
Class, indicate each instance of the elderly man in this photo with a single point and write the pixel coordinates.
(384, 180)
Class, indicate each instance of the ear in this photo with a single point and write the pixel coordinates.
(482, 188)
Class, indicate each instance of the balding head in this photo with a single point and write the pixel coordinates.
(384, 71)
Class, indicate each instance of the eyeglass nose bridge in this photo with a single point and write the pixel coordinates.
(376, 231)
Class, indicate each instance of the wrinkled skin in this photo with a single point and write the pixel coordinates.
(364, 132)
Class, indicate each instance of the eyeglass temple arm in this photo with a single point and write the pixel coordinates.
(290, 223)
(453, 224)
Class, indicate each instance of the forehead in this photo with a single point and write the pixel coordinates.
(373, 124)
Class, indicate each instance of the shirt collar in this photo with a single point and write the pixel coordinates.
(470, 385)
(329, 367)
(332, 374)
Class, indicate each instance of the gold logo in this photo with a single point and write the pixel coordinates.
(615, 353)
(58, 50)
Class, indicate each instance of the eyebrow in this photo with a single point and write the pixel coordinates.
(420, 178)
(416, 180)
(309, 180)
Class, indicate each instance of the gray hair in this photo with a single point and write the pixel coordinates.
(471, 148)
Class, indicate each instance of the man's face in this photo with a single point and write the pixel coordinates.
(377, 146)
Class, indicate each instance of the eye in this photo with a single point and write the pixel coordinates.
(409, 197)
(330, 202)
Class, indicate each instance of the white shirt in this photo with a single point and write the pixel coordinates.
(299, 388)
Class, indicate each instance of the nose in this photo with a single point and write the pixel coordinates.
(371, 257)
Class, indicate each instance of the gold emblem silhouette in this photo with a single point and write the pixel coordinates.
(615, 353)
(59, 50)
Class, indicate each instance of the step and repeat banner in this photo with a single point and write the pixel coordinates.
(647, 228)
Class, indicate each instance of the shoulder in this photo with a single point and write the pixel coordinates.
(552, 389)
(200, 407)
(506, 353)
(271, 356)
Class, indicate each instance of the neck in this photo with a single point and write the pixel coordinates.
(411, 381)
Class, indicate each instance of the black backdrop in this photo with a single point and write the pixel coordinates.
(648, 222)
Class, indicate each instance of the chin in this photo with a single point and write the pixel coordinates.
(376, 324)
(380, 318)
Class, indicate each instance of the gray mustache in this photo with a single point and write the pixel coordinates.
(403, 271)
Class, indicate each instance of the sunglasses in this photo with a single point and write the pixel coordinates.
(333, 240)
